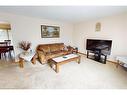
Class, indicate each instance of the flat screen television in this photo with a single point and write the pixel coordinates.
(98, 44)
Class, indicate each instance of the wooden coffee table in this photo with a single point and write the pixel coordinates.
(64, 59)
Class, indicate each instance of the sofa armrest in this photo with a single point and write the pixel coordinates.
(70, 49)
(41, 56)
(39, 52)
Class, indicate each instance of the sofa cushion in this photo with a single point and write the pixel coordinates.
(64, 52)
(54, 48)
(44, 48)
(49, 56)
(61, 47)
(57, 52)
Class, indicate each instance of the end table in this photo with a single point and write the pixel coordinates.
(25, 57)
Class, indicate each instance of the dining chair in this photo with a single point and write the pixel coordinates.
(3, 52)
(3, 43)
(11, 49)
(8, 42)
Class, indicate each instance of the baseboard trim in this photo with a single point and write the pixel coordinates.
(106, 60)
(112, 61)
(81, 53)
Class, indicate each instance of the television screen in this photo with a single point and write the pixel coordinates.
(97, 44)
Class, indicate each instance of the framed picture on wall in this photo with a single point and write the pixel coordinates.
(98, 27)
(50, 31)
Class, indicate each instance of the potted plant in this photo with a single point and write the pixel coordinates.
(25, 45)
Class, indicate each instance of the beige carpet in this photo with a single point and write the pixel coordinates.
(87, 74)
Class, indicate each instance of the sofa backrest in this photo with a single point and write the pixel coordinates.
(50, 47)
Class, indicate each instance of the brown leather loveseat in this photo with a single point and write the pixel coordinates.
(48, 51)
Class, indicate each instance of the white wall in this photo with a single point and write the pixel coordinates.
(29, 29)
(113, 27)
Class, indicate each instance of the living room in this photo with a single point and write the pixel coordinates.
(75, 29)
(77, 35)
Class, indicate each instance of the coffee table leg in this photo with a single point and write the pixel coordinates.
(78, 60)
(57, 68)
(117, 65)
(21, 62)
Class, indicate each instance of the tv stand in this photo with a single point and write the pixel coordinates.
(97, 56)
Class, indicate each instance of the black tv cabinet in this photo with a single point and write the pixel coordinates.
(97, 56)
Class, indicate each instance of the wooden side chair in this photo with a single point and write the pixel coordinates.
(3, 52)
(8, 42)
(3, 43)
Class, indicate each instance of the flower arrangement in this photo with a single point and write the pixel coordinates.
(25, 45)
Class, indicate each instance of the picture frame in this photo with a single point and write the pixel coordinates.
(98, 27)
(50, 31)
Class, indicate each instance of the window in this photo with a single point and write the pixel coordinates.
(3, 35)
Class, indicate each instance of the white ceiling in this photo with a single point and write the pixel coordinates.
(71, 14)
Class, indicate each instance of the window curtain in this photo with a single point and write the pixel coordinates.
(5, 26)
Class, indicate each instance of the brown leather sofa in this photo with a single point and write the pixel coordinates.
(48, 51)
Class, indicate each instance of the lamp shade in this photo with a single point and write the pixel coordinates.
(5, 26)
